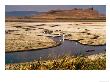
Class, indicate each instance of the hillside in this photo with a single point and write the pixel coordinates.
(75, 14)
(21, 13)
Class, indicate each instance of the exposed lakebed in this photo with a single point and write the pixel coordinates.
(67, 47)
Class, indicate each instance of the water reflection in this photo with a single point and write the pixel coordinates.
(67, 47)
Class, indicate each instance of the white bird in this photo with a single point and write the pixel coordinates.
(60, 40)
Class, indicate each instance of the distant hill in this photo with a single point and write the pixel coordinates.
(21, 13)
(75, 13)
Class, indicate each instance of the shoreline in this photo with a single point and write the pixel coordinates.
(35, 49)
(62, 61)
(54, 21)
(57, 44)
(25, 36)
(87, 44)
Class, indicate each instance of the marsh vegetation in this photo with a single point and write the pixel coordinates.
(66, 62)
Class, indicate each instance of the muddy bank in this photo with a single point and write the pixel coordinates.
(92, 62)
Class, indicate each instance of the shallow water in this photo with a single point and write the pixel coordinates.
(67, 47)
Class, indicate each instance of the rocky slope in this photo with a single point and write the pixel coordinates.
(75, 13)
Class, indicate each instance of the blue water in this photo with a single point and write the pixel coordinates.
(21, 13)
(67, 47)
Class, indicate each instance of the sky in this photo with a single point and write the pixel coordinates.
(44, 8)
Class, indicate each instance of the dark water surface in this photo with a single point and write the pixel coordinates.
(67, 47)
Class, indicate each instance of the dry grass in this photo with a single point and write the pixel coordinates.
(25, 36)
(93, 62)
(27, 42)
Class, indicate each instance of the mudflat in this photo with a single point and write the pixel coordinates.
(26, 36)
